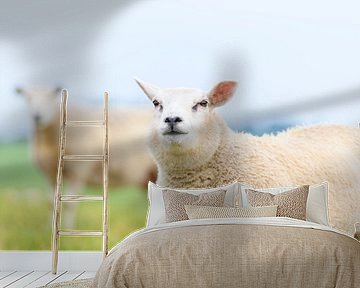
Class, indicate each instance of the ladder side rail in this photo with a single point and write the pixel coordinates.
(105, 175)
(59, 179)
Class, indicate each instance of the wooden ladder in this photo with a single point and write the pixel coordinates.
(58, 198)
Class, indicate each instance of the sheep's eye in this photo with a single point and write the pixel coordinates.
(203, 103)
(156, 103)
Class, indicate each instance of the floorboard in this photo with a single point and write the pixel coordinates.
(28, 279)
(32, 279)
(87, 274)
(31, 269)
(12, 278)
(5, 274)
(68, 276)
(46, 279)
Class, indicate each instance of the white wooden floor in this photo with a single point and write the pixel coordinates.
(32, 279)
(32, 268)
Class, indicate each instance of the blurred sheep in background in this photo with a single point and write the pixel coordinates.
(130, 162)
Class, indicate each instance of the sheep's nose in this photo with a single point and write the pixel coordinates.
(172, 121)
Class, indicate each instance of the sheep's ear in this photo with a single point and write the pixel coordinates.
(19, 90)
(222, 92)
(149, 89)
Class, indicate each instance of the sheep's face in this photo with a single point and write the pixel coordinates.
(42, 103)
(183, 114)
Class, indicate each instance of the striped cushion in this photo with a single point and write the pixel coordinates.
(200, 212)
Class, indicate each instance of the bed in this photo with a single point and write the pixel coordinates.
(253, 252)
(233, 252)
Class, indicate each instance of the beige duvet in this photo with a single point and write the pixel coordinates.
(275, 252)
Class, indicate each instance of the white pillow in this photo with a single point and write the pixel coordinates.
(316, 206)
(156, 211)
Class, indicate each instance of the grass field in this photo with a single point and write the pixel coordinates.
(26, 212)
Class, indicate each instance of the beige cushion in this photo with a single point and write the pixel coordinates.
(290, 204)
(317, 203)
(201, 212)
(175, 201)
(156, 211)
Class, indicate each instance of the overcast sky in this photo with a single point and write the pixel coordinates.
(301, 55)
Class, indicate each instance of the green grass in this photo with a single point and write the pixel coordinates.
(16, 169)
(26, 212)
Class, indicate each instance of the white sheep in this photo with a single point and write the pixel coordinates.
(193, 147)
(130, 161)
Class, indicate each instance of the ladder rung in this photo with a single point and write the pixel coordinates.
(84, 123)
(83, 157)
(79, 233)
(74, 198)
